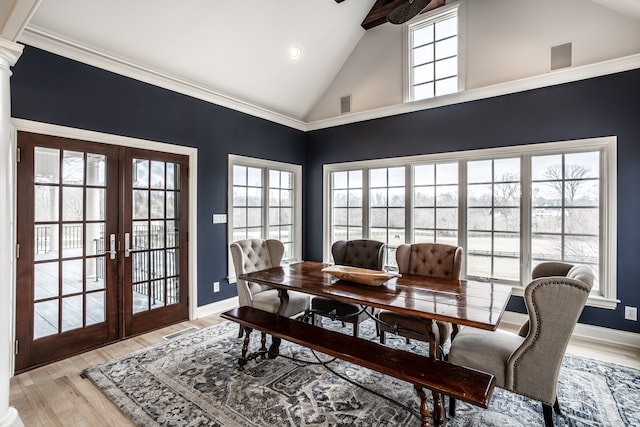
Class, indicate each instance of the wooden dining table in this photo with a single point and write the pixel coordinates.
(461, 302)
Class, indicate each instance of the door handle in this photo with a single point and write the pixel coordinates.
(127, 248)
(112, 246)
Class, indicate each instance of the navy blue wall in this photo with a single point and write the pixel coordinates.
(52, 89)
(48, 88)
(602, 106)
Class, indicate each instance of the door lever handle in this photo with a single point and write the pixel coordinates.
(127, 247)
(112, 246)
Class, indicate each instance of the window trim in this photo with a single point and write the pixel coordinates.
(419, 20)
(296, 170)
(607, 297)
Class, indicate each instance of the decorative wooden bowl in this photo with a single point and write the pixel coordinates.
(359, 275)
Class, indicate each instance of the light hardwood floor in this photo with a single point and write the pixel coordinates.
(56, 395)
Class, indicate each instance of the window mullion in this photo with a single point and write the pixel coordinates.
(266, 201)
(365, 204)
(462, 211)
(408, 204)
(525, 218)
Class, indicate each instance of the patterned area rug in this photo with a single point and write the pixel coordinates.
(193, 380)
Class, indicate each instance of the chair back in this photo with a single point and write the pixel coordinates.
(554, 305)
(361, 253)
(430, 259)
(254, 255)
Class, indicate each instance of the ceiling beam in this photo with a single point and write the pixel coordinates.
(378, 13)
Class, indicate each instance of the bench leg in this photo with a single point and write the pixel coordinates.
(245, 347)
(263, 344)
(439, 418)
(424, 408)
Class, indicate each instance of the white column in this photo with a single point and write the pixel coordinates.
(9, 54)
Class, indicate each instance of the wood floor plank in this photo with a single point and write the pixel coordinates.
(56, 394)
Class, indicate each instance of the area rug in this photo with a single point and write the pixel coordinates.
(193, 380)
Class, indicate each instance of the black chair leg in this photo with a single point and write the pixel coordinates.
(241, 331)
(556, 407)
(548, 415)
(452, 407)
(383, 338)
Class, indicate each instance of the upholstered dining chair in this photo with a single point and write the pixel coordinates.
(253, 255)
(426, 259)
(361, 253)
(528, 362)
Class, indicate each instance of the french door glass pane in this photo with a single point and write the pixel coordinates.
(73, 168)
(157, 199)
(69, 222)
(46, 203)
(95, 307)
(45, 280)
(46, 165)
(96, 169)
(72, 310)
(45, 318)
(72, 276)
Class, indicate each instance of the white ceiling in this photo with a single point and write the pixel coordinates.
(239, 49)
(236, 50)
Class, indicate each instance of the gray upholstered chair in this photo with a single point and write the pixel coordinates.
(355, 253)
(426, 259)
(254, 255)
(528, 362)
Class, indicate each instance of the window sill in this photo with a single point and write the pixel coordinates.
(593, 300)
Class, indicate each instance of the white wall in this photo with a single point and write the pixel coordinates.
(505, 40)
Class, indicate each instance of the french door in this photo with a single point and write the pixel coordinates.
(102, 245)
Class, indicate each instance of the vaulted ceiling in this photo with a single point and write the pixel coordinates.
(237, 50)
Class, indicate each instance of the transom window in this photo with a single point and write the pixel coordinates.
(264, 203)
(433, 55)
(509, 208)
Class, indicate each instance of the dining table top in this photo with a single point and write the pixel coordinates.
(463, 302)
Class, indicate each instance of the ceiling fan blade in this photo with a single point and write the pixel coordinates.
(406, 11)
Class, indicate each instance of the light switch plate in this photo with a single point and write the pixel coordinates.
(219, 218)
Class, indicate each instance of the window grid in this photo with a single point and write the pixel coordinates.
(565, 210)
(433, 56)
(387, 200)
(512, 207)
(493, 219)
(347, 201)
(264, 203)
(435, 203)
(281, 209)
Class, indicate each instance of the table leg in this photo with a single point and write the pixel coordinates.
(274, 349)
(424, 408)
(434, 340)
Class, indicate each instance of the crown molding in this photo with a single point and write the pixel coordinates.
(53, 43)
(552, 78)
(41, 39)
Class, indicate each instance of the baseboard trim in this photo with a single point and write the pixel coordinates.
(586, 332)
(216, 307)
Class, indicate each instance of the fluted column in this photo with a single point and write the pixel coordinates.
(9, 54)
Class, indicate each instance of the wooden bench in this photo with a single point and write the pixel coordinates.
(441, 377)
